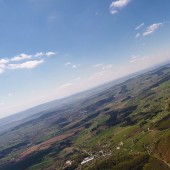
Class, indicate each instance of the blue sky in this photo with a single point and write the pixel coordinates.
(50, 49)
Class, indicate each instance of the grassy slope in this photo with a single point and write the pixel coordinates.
(135, 113)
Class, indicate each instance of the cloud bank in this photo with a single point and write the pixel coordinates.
(21, 57)
(71, 65)
(26, 65)
(117, 5)
(152, 28)
(24, 61)
(139, 26)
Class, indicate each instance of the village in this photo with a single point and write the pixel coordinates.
(101, 151)
(107, 150)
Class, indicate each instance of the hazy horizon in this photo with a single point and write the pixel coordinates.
(82, 91)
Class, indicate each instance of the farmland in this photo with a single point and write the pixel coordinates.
(124, 126)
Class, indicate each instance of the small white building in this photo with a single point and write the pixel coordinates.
(118, 147)
(87, 160)
(68, 162)
(121, 143)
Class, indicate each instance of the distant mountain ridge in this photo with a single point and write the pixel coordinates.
(35, 112)
(122, 125)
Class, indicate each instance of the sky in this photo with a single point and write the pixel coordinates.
(51, 49)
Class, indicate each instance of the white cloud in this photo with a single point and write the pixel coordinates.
(152, 28)
(4, 61)
(40, 54)
(75, 66)
(2, 66)
(26, 65)
(137, 58)
(116, 5)
(49, 54)
(113, 11)
(67, 64)
(21, 57)
(139, 26)
(66, 85)
(103, 66)
(137, 35)
(72, 65)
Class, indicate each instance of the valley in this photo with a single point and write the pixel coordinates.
(122, 127)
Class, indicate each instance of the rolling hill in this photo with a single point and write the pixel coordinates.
(121, 126)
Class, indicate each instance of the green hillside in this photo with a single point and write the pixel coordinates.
(125, 127)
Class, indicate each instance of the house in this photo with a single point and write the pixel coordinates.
(118, 147)
(87, 159)
(121, 143)
(68, 163)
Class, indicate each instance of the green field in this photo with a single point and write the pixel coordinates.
(125, 127)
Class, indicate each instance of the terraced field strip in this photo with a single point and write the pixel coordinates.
(44, 145)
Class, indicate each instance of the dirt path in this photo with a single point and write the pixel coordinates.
(164, 161)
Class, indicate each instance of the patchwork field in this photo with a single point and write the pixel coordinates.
(124, 126)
